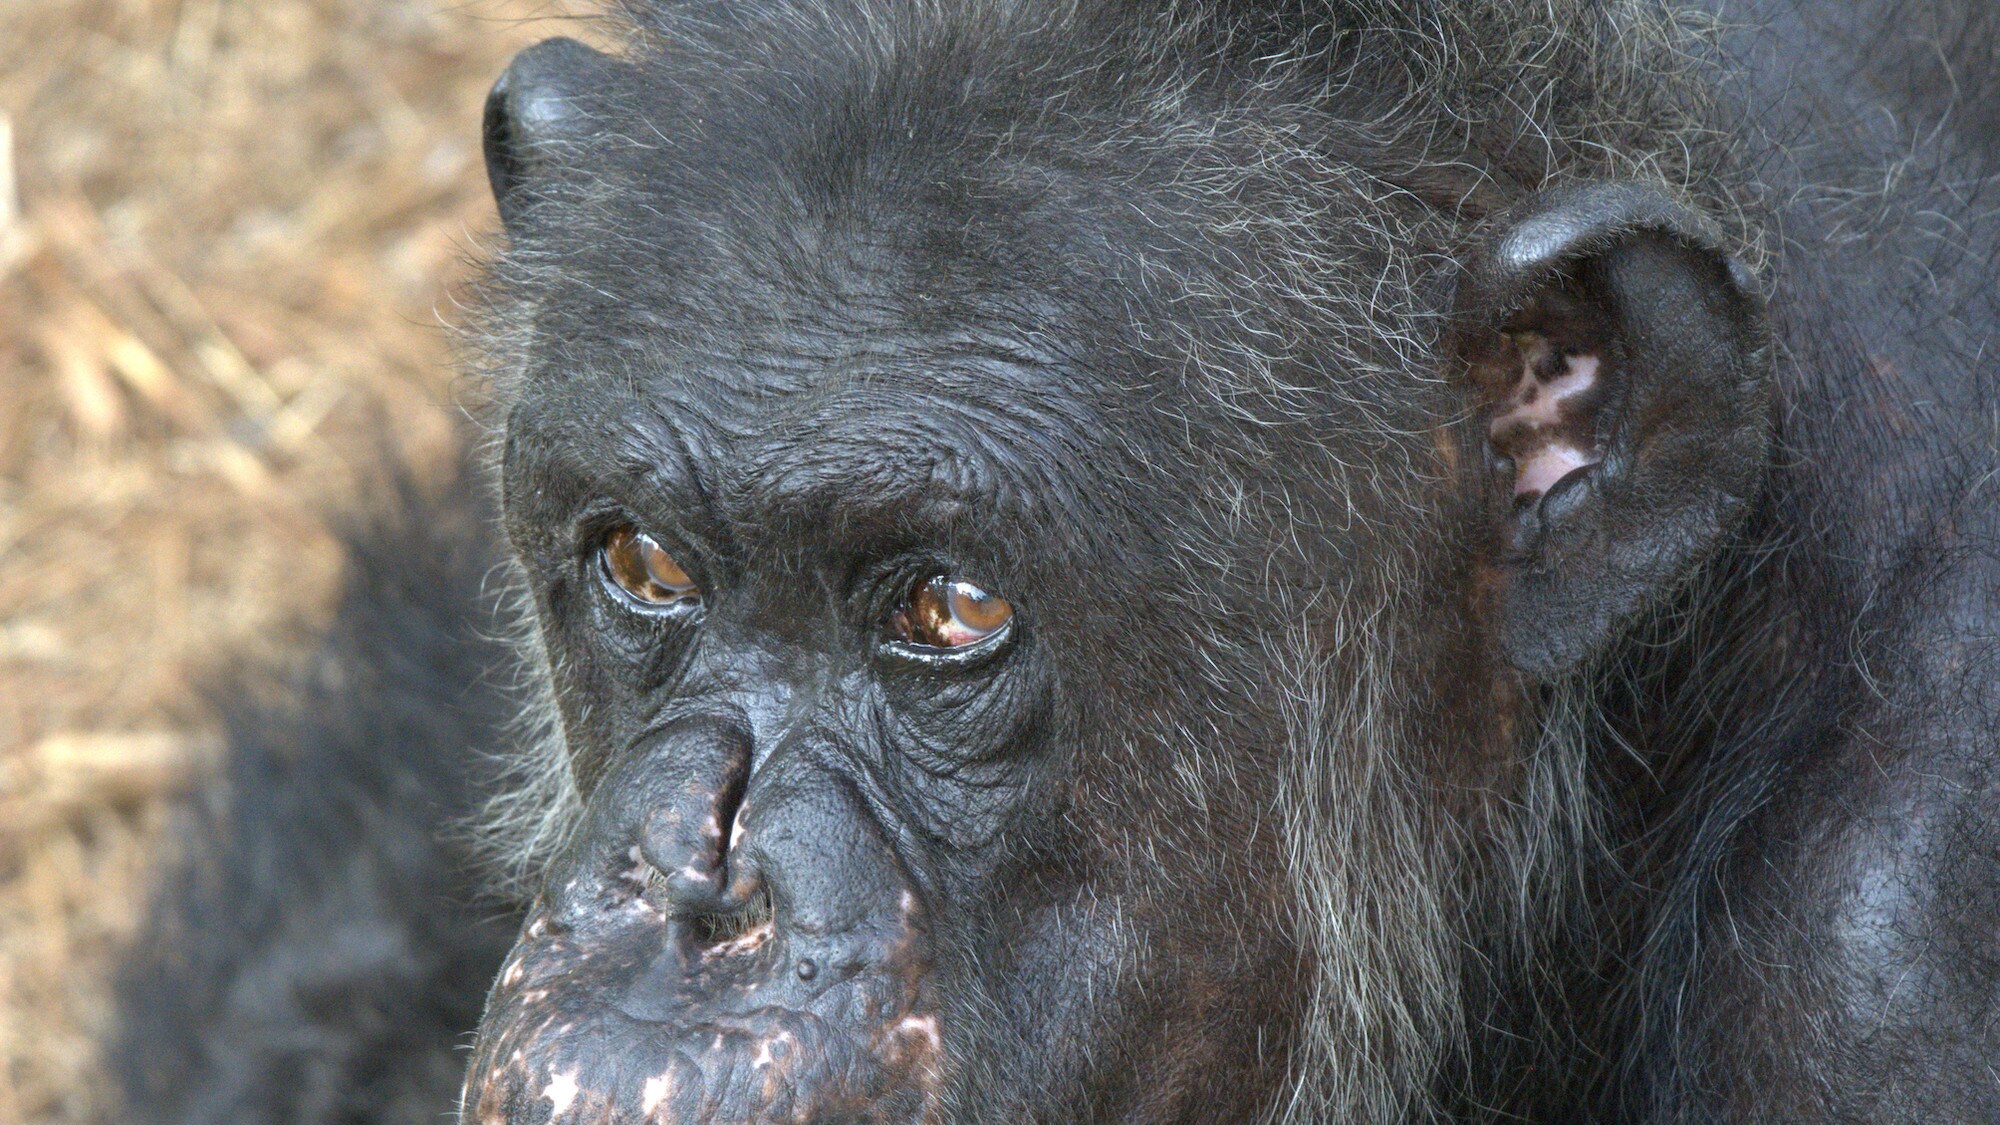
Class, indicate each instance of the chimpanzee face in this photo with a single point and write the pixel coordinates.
(807, 624)
(920, 500)
(889, 588)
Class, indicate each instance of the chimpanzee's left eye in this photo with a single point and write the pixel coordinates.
(948, 613)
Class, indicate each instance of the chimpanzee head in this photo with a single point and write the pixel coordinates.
(1043, 525)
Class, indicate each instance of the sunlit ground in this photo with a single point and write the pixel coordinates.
(228, 233)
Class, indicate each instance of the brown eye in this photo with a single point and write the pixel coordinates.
(945, 612)
(645, 571)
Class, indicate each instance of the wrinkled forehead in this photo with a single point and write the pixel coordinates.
(860, 280)
(784, 417)
(797, 192)
(876, 329)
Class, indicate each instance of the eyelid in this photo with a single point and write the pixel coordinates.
(952, 659)
(883, 585)
(600, 517)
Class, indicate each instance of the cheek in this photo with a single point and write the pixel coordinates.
(607, 684)
(1198, 1024)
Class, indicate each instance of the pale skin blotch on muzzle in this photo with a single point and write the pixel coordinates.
(1102, 563)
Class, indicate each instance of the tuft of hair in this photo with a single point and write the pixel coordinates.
(530, 805)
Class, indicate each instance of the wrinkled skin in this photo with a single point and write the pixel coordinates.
(613, 993)
(828, 310)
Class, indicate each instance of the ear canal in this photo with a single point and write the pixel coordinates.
(537, 105)
(1546, 424)
(1622, 363)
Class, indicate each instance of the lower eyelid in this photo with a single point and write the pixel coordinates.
(988, 647)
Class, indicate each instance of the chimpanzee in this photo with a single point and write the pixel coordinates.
(1212, 561)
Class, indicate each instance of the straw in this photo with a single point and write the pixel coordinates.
(226, 231)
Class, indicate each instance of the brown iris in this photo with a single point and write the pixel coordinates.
(645, 571)
(946, 612)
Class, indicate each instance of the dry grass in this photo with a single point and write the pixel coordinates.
(226, 228)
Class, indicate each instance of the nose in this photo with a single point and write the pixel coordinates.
(687, 840)
(787, 873)
(714, 947)
(662, 823)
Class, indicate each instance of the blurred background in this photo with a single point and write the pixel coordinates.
(230, 231)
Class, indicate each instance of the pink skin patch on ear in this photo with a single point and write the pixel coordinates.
(1545, 426)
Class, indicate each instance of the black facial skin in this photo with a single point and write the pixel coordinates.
(1321, 771)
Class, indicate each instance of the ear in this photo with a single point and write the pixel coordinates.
(538, 106)
(1620, 358)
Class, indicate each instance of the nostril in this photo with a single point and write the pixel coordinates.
(734, 931)
(726, 827)
(716, 929)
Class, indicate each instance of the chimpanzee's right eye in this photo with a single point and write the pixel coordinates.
(644, 572)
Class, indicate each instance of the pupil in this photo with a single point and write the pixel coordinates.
(663, 570)
(971, 605)
(978, 610)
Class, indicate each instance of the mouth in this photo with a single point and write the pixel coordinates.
(712, 1019)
